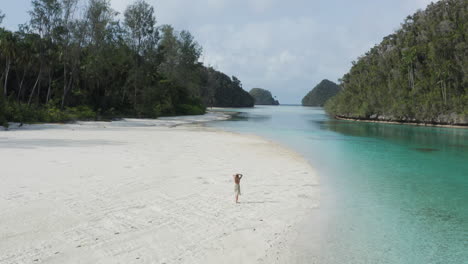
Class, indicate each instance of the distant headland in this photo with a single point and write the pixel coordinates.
(263, 97)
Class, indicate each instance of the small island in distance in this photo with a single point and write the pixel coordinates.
(320, 94)
(263, 97)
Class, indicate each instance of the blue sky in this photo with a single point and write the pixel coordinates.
(285, 46)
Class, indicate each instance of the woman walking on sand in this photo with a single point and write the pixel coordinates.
(237, 191)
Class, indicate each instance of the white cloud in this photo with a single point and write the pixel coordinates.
(285, 55)
(273, 47)
(261, 5)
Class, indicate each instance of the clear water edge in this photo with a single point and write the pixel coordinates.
(390, 193)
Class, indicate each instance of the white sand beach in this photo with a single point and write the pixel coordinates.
(142, 192)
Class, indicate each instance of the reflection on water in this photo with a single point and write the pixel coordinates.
(252, 117)
(426, 149)
(390, 193)
(403, 134)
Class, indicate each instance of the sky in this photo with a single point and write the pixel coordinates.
(285, 46)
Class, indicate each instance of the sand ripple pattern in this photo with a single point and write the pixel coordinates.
(147, 195)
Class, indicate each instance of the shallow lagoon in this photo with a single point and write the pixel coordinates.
(390, 193)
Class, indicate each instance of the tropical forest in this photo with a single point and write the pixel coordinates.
(70, 62)
(417, 74)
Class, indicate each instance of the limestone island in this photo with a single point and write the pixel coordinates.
(321, 93)
(263, 97)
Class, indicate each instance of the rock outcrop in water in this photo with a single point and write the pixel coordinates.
(419, 74)
(263, 97)
(321, 93)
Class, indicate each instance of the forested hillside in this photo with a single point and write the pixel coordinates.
(321, 93)
(263, 97)
(76, 60)
(222, 91)
(417, 74)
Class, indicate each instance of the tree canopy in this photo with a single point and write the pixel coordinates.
(320, 94)
(76, 60)
(263, 97)
(417, 74)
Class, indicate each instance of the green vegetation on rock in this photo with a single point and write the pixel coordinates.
(73, 61)
(228, 92)
(321, 93)
(263, 97)
(417, 74)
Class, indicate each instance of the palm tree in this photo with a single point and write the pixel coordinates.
(2, 16)
(8, 49)
(24, 61)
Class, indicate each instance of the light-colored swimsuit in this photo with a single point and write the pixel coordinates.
(237, 189)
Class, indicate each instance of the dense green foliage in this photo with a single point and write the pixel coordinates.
(320, 94)
(418, 74)
(221, 91)
(263, 97)
(72, 63)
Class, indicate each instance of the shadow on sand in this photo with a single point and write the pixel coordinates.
(259, 202)
(38, 143)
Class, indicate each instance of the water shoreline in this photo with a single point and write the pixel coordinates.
(400, 122)
(374, 185)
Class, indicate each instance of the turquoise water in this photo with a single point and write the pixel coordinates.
(389, 193)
